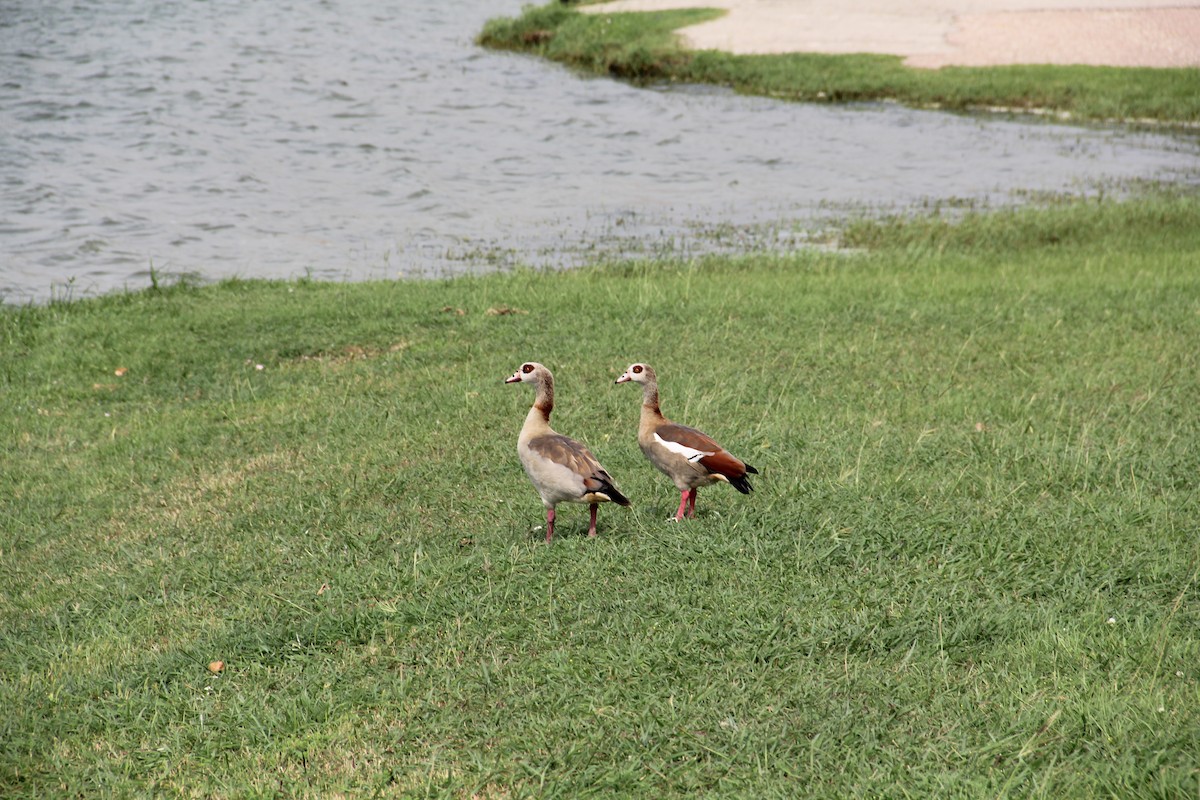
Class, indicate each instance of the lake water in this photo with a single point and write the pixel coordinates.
(350, 140)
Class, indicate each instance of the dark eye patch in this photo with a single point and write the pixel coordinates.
(637, 370)
(527, 368)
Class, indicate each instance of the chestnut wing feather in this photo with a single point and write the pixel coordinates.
(688, 437)
(724, 463)
(710, 455)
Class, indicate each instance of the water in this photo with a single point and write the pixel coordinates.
(350, 140)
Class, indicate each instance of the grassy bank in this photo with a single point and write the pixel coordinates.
(643, 48)
(969, 568)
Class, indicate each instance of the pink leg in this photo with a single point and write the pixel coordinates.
(549, 524)
(692, 502)
(592, 523)
(682, 505)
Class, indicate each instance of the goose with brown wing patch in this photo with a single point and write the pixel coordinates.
(560, 468)
(687, 456)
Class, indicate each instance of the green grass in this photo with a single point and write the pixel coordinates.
(643, 47)
(969, 568)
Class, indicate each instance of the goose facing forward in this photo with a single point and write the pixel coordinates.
(690, 458)
(560, 468)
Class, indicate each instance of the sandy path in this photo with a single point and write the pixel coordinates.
(936, 33)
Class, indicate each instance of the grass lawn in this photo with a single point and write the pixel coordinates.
(969, 568)
(643, 47)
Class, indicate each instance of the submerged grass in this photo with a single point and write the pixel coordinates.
(969, 568)
(643, 47)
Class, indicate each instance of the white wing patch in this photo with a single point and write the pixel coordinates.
(691, 454)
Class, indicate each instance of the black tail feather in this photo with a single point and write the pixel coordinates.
(742, 484)
(616, 496)
(609, 488)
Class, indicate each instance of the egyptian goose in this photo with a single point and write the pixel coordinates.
(688, 457)
(561, 469)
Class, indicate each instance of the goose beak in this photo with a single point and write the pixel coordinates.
(623, 379)
(514, 378)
